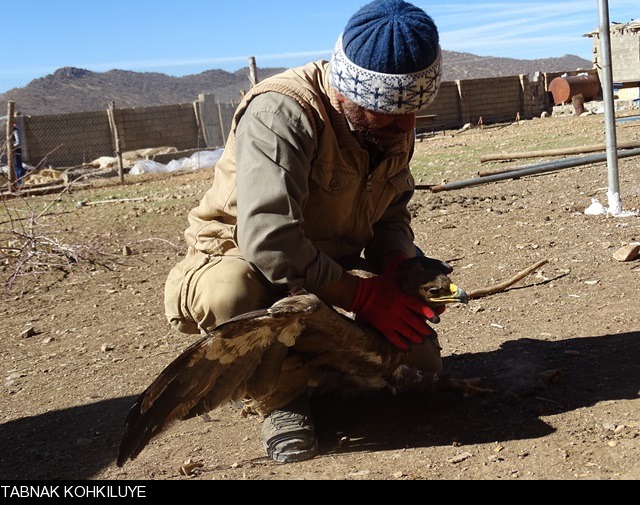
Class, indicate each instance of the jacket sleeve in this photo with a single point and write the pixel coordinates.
(275, 146)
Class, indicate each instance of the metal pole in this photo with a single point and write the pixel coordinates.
(615, 201)
(538, 168)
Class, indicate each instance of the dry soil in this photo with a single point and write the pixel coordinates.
(83, 332)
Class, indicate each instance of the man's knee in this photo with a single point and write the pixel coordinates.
(176, 293)
(204, 291)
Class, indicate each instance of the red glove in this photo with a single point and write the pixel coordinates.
(401, 318)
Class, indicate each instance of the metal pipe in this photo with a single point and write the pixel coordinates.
(537, 168)
(609, 106)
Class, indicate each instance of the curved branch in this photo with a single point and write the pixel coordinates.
(479, 293)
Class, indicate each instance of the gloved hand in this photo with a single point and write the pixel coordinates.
(401, 318)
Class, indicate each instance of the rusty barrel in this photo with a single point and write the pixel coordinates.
(563, 89)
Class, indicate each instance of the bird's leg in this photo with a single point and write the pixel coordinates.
(406, 378)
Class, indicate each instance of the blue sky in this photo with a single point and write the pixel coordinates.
(180, 37)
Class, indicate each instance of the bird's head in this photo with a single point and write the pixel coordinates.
(428, 279)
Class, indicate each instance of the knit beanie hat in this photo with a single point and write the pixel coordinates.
(388, 58)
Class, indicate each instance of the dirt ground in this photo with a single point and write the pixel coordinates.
(560, 348)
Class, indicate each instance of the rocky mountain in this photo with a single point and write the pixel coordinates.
(77, 90)
(460, 66)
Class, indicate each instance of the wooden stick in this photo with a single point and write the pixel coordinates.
(121, 200)
(479, 293)
(556, 152)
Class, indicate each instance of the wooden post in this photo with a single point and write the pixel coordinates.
(224, 136)
(116, 138)
(9, 144)
(553, 152)
(199, 126)
(578, 104)
(253, 72)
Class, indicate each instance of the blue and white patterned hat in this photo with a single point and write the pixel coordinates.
(388, 58)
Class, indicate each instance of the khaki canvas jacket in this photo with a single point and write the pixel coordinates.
(295, 189)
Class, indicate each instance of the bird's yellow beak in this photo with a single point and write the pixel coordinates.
(455, 295)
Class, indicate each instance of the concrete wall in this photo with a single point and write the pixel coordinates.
(495, 100)
(69, 140)
(540, 98)
(169, 125)
(216, 118)
(446, 107)
(66, 139)
(625, 51)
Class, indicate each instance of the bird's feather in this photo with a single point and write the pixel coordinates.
(217, 368)
(214, 369)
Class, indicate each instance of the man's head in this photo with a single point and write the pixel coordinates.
(387, 61)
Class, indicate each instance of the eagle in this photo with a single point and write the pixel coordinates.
(249, 348)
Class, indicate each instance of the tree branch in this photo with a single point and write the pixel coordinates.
(479, 293)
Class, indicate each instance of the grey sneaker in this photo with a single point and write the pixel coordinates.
(288, 434)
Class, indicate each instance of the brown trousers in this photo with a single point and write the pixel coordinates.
(203, 291)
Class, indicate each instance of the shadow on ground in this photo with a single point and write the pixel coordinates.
(56, 445)
(591, 370)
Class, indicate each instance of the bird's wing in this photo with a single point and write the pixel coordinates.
(214, 369)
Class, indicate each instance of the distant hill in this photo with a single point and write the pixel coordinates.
(459, 66)
(77, 90)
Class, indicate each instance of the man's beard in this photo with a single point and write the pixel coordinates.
(384, 138)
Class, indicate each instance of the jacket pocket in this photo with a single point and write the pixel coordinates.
(335, 179)
(403, 181)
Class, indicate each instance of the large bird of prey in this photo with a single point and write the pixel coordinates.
(217, 368)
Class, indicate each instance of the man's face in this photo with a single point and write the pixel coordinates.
(383, 130)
